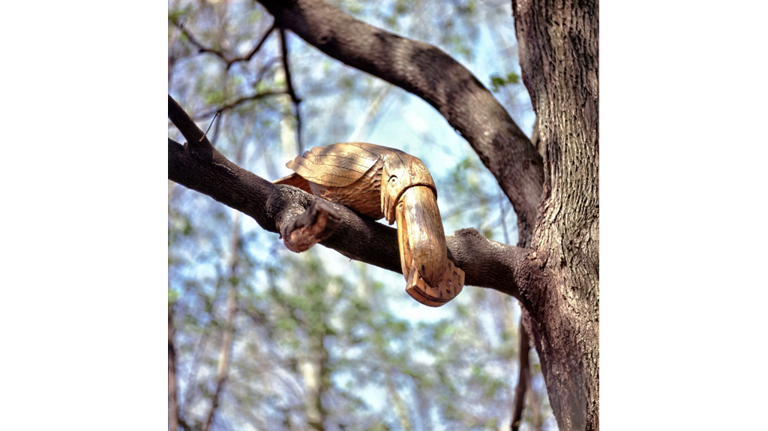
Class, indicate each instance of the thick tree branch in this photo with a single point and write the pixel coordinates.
(195, 137)
(200, 167)
(433, 75)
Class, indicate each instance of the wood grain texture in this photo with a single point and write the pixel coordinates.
(450, 286)
(421, 235)
(362, 195)
(200, 167)
(431, 278)
(401, 172)
(295, 180)
(353, 173)
(337, 165)
(381, 182)
(431, 74)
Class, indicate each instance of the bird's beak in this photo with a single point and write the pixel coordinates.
(431, 278)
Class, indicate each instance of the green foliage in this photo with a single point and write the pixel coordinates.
(178, 14)
(173, 296)
(498, 82)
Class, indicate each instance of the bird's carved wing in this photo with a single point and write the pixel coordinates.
(337, 165)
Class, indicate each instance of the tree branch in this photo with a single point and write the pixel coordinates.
(224, 56)
(255, 49)
(173, 397)
(289, 81)
(200, 167)
(433, 75)
(523, 378)
(226, 341)
(195, 137)
(314, 225)
(238, 102)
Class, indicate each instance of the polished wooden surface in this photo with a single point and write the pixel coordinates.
(431, 278)
(385, 182)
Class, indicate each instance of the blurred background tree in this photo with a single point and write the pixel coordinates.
(262, 338)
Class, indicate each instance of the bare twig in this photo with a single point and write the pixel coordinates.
(534, 403)
(200, 47)
(173, 398)
(193, 368)
(235, 103)
(209, 126)
(223, 55)
(195, 137)
(255, 49)
(226, 342)
(264, 69)
(523, 379)
(289, 81)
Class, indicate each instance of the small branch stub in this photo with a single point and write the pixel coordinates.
(315, 224)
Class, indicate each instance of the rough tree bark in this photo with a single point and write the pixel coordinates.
(436, 77)
(558, 49)
(554, 269)
(287, 210)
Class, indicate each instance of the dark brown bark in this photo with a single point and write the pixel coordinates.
(199, 166)
(556, 279)
(433, 75)
(558, 45)
(315, 224)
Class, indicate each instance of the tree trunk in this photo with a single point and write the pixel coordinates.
(554, 269)
(558, 45)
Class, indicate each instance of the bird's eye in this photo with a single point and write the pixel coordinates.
(393, 178)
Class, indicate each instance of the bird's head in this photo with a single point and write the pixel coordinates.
(401, 171)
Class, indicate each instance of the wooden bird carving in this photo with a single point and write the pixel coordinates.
(381, 182)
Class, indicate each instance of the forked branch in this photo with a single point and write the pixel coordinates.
(282, 209)
(226, 57)
(436, 77)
